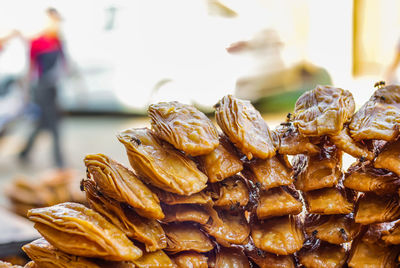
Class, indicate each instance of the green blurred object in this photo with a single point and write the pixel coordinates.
(286, 98)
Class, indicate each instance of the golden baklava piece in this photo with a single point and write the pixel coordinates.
(323, 255)
(389, 158)
(221, 163)
(330, 201)
(185, 236)
(289, 141)
(344, 142)
(47, 256)
(269, 173)
(334, 229)
(159, 164)
(281, 235)
(154, 259)
(145, 230)
(323, 111)
(364, 254)
(245, 127)
(185, 212)
(373, 208)
(379, 117)
(278, 201)
(318, 171)
(364, 177)
(80, 231)
(183, 126)
(231, 257)
(268, 260)
(228, 227)
(190, 259)
(121, 184)
(230, 193)
(200, 198)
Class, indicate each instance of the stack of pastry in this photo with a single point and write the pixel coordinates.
(200, 197)
(47, 189)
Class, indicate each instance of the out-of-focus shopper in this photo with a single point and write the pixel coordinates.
(46, 63)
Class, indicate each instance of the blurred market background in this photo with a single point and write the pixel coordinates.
(120, 56)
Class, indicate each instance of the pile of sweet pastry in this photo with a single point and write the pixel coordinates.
(49, 188)
(200, 197)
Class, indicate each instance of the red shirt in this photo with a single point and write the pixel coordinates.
(43, 44)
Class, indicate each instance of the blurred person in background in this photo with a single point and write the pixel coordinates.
(46, 62)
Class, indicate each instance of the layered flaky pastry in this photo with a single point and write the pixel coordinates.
(154, 259)
(379, 117)
(389, 158)
(80, 231)
(159, 164)
(245, 127)
(278, 201)
(334, 229)
(289, 141)
(185, 127)
(269, 173)
(372, 208)
(329, 201)
(147, 231)
(221, 163)
(365, 178)
(323, 255)
(185, 212)
(231, 257)
(185, 237)
(320, 170)
(281, 235)
(47, 256)
(121, 184)
(323, 111)
(190, 259)
(231, 193)
(344, 142)
(228, 227)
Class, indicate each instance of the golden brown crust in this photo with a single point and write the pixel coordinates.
(228, 227)
(147, 231)
(47, 256)
(230, 193)
(154, 259)
(185, 212)
(379, 117)
(186, 236)
(372, 208)
(389, 158)
(324, 255)
(245, 127)
(160, 164)
(282, 236)
(121, 184)
(334, 229)
(77, 230)
(329, 201)
(190, 259)
(323, 111)
(269, 173)
(185, 127)
(365, 178)
(277, 202)
(221, 163)
(231, 257)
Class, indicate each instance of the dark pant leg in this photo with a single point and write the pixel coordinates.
(31, 140)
